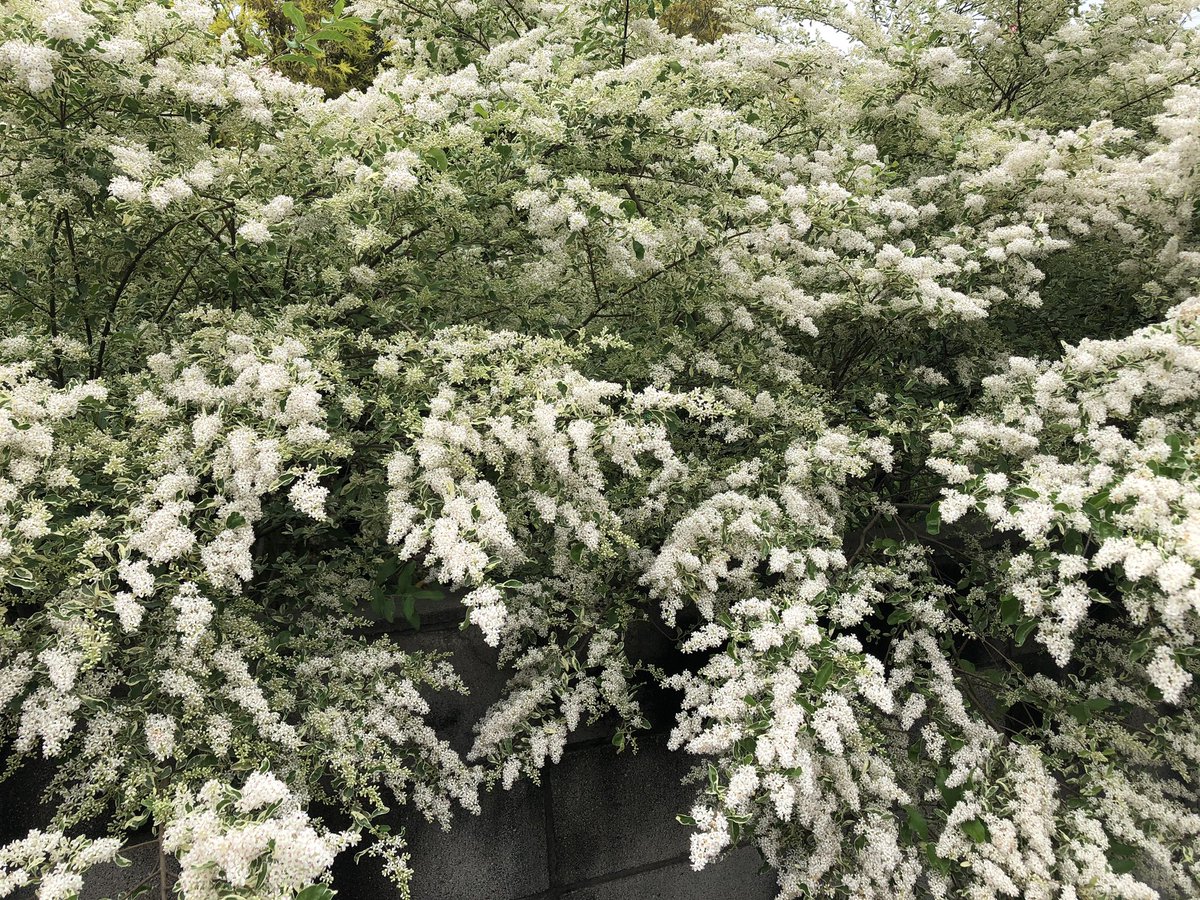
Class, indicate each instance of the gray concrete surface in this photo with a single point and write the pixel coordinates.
(601, 826)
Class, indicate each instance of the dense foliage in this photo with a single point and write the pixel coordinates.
(870, 370)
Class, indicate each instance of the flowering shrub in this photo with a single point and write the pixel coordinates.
(252, 842)
(867, 368)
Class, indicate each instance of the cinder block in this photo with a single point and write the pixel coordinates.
(498, 855)
(453, 715)
(736, 877)
(108, 880)
(615, 811)
(21, 801)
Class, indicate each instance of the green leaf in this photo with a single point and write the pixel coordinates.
(295, 16)
(823, 675)
(917, 823)
(315, 892)
(384, 573)
(976, 830)
(1010, 609)
(408, 606)
(942, 865)
(404, 581)
(1122, 857)
(1084, 711)
(933, 519)
(1073, 543)
(20, 578)
(950, 795)
(329, 34)
(1023, 631)
(1139, 648)
(638, 250)
(302, 58)
(383, 604)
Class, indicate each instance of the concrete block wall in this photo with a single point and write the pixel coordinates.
(600, 826)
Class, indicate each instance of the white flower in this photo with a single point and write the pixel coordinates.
(160, 736)
(162, 195)
(277, 209)
(129, 611)
(135, 160)
(1174, 575)
(397, 171)
(1167, 675)
(254, 232)
(32, 63)
(138, 576)
(62, 666)
(387, 366)
(222, 840)
(261, 789)
(308, 496)
(711, 837)
(205, 429)
(954, 505)
(123, 188)
(742, 785)
(193, 613)
(487, 612)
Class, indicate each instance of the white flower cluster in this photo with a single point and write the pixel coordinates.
(241, 422)
(52, 861)
(551, 444)
(32, 64)
(1052, 462)
(817, 750)
(793, 529)
(743, 305)
(308, 496)
(252, 842)
(366, 700)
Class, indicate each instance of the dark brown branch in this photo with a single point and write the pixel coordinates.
(126, 278)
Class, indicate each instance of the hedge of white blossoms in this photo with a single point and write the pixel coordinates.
(871, 372)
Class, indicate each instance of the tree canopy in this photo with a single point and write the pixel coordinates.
(867, 368)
